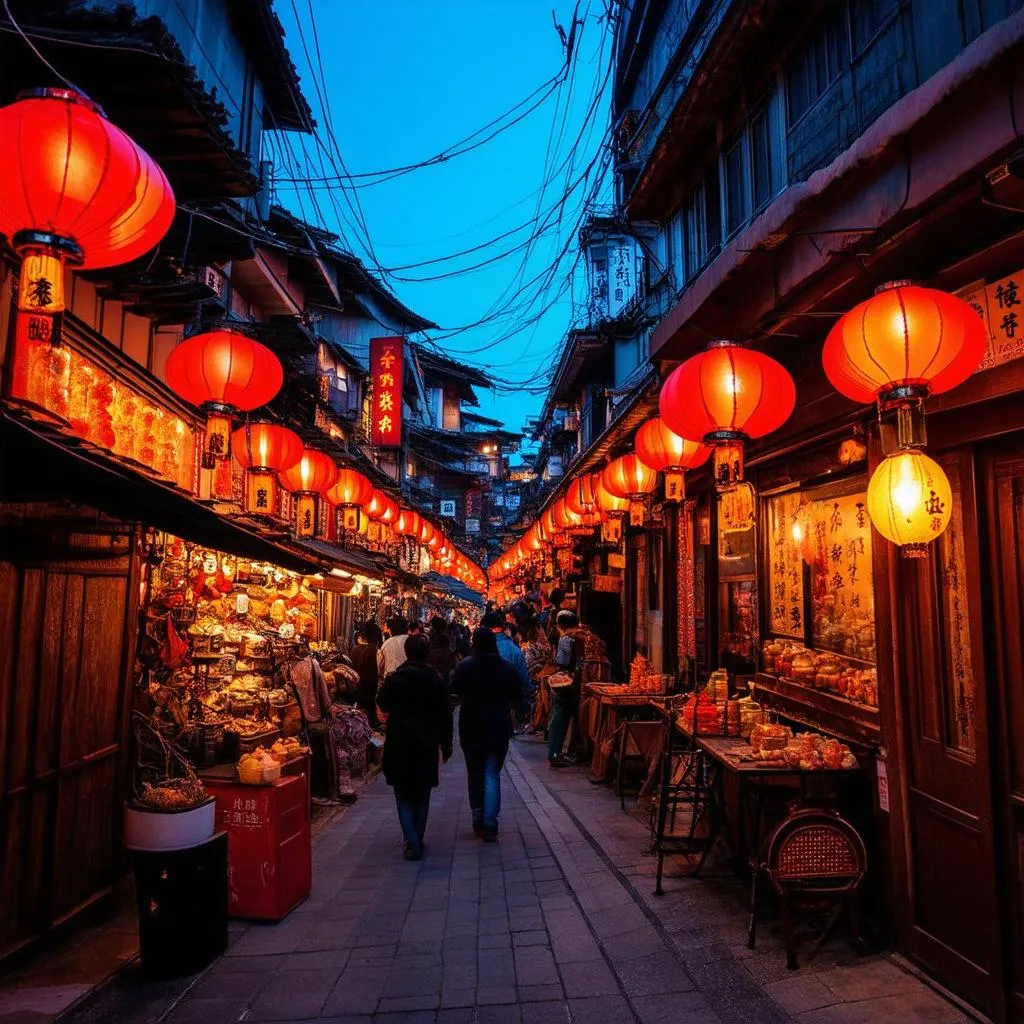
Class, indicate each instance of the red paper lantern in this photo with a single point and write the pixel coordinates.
(263, 445)
(381, 507)
(628, 477)
(263, 450)
(726, 395)
(579, 497)
(427, 531)
(223, 372)
(660, 448)
(76, 190)
(408, 524)
(904, 342)
(310, 477)
(351, 491)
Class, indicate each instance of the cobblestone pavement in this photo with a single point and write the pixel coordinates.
(554, 924)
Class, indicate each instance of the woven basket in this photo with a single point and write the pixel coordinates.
(260, 776)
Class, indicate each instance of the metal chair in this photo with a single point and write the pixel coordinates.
(815, 853)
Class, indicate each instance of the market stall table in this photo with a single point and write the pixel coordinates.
(604, 710)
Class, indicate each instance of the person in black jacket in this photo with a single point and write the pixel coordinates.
(368, 661)
(490, 690)
(419, 728)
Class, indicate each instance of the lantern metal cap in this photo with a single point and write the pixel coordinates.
(65, 95)
(721, 343)
(30, 238)
(888, 286)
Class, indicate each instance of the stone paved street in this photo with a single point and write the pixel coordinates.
(554, 924)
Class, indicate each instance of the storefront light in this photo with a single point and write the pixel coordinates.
(910, 501)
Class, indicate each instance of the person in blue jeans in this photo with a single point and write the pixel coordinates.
(490, 690)
(417, 735)
(565, 700)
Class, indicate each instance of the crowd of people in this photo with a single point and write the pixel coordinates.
(520, 671)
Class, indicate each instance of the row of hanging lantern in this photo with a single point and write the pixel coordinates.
(896, 348)
(83, 194)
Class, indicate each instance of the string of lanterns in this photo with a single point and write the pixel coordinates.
(895, 349)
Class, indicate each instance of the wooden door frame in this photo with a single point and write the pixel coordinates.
(997, 643)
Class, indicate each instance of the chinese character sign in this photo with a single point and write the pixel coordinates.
(386, 365)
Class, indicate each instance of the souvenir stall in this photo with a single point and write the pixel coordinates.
(232, 671)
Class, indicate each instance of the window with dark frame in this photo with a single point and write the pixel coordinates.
(734, 185)
(817, 66)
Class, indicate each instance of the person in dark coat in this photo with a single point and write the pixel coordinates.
(490, 690)
(440, 656)
(368, 660)
(419, 729)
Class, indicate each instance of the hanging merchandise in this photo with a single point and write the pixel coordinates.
(351, 492)
(223, 372)
(80, 193)
(727, 395)
(660, 448)
(263, 450)
(307, 480)
(628, 477)
(910, 501)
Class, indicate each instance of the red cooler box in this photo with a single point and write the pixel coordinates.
(270, 865)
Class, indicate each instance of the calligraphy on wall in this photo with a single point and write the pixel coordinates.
(1000, 304)
(387, 364)
(842, 595)
(785, 520)
(952, 565)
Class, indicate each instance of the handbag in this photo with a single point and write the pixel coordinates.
(560, 680)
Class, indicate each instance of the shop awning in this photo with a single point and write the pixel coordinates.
(452, 587)
(353, 560)
(39, 464)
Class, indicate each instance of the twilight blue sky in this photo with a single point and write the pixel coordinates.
(405, 79)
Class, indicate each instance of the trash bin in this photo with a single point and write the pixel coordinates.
(183, 907)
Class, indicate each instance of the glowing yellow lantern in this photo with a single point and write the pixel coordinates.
(910, 500)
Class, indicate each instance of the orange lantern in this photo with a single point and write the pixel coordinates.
(725, 396)
(79, 192)
(628, 477)
(310, 477)
(223, 372)
(263, 450)
(408, 524)
(660, 448)
(612, 510)
(350, 492)
(903, 343)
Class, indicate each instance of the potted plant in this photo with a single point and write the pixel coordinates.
(170, 808)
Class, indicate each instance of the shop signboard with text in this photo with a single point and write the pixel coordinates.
(386, 366)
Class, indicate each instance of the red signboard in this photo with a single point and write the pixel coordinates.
(386, 363)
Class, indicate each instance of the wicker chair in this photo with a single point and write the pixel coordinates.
(815, 853)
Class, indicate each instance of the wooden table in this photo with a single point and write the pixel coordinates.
(701, 787)
(614, 706)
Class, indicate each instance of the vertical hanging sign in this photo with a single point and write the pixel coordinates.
(386, 365)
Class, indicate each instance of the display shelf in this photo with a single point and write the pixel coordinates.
(819, 709)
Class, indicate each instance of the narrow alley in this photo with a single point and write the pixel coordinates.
(556, 923)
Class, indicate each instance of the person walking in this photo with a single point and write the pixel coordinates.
(507, 648)
(368, 660)
(419, 729)
(394, 647)
(548, 617)
(490, 691)
(440, 657)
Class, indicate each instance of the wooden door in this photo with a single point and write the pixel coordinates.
(66, 630)
(1005, 498)
(950, 920)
